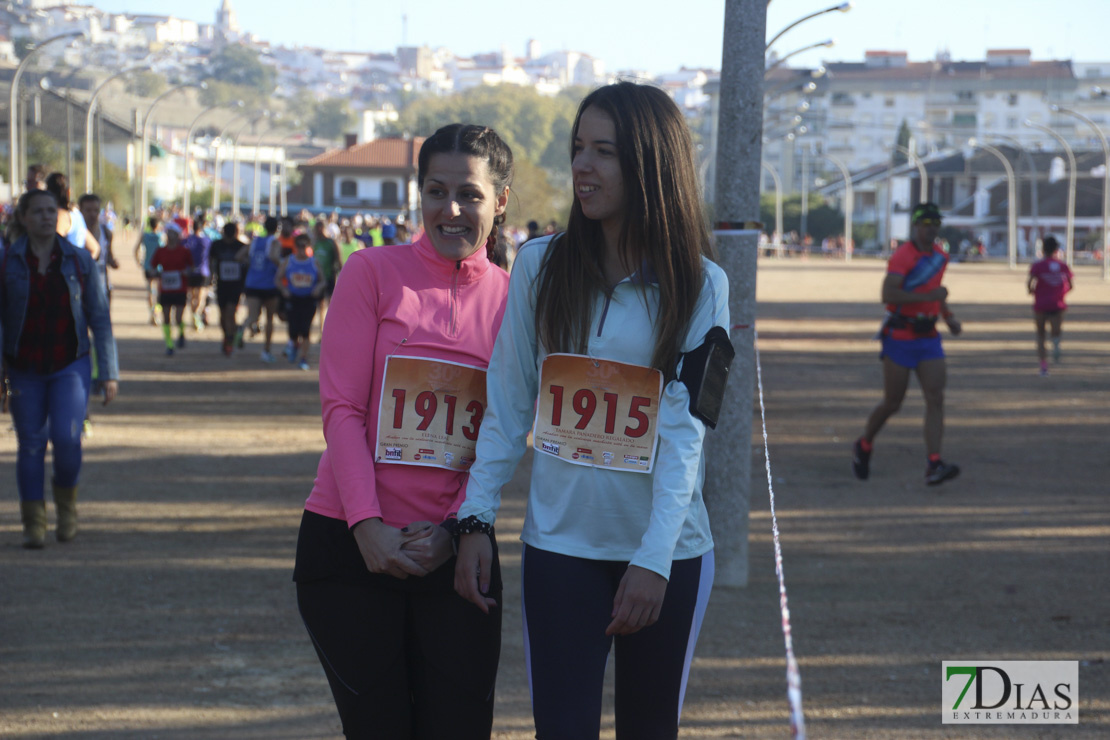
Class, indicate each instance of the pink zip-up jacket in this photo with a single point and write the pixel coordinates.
(403, 300)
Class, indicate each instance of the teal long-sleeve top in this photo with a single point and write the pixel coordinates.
(647, 519)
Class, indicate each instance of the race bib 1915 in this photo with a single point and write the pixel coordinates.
(430, 412)
(598, 412)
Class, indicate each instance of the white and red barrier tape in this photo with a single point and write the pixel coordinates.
(793, 676)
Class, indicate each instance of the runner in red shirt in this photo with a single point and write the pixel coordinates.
(173, 264)
(914, 299)
(1049, 281)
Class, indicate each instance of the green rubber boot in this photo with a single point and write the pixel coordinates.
(65, 502)
(33, 514)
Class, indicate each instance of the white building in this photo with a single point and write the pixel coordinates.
(166, 29)
(857, 108)
(686, 87)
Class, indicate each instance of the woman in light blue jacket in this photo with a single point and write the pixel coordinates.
(598, 324)
(51, 295)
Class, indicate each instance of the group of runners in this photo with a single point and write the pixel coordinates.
(283, 268)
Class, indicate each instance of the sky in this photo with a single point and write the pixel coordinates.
(658, 36)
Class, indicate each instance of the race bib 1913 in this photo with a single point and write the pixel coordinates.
(598, 412)
(430, 412)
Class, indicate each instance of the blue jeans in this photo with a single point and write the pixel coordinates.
(49, 407)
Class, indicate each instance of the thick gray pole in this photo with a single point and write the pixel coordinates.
(739, 150)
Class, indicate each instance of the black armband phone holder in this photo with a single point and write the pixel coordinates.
(705, 373)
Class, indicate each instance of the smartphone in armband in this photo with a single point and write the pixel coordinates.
(705, 374)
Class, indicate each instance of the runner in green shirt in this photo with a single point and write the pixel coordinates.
(326, 253)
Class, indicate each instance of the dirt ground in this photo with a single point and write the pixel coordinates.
(172, 614)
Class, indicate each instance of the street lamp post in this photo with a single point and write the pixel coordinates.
(89, 124)
(219, 143)
(921, 171)
(803, 223)
(1069, 235)
(13, 106)
(778, 207)
(780, 61)
(284, 165)
(1105, 185)
(256, 189)
(842, 7)
(785, 88)
(1034, 198)
(146, 139)
(185, 159)
(47, 86)
(849, 203)
(235, 163)
(736, 193)
(1011, 199)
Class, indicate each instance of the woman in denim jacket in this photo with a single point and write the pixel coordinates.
(50, 296)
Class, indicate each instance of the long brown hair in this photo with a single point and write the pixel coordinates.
(664, 227)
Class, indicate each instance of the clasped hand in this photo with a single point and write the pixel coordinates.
(416, 550)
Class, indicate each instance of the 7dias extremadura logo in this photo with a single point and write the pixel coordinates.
(1035, 692)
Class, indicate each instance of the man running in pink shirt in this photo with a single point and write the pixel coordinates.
(1050, 279)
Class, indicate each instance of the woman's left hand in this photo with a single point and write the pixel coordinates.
(427, 544)
(638, 602)
(111, 388)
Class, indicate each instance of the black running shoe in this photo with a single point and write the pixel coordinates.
(940, 471)
(861, 461)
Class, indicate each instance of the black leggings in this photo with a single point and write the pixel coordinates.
(568, 603)
(406, 659)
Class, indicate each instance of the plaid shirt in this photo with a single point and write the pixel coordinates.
(48, 342)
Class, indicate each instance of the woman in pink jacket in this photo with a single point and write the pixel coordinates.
(402, 386)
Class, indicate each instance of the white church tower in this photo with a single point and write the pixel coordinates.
(227, 25)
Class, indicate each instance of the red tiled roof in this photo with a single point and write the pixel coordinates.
(394, 154)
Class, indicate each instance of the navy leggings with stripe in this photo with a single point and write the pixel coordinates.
(568, 603)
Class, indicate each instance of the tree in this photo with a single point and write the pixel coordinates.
(242, 66)
(45, 150)
(899, 158)
(534, 198)
(302, 105)
(237, 73)
(23, 46)
(330, 118)
(148, 84)
(225, 94)
(823, 220)
(534, 126)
